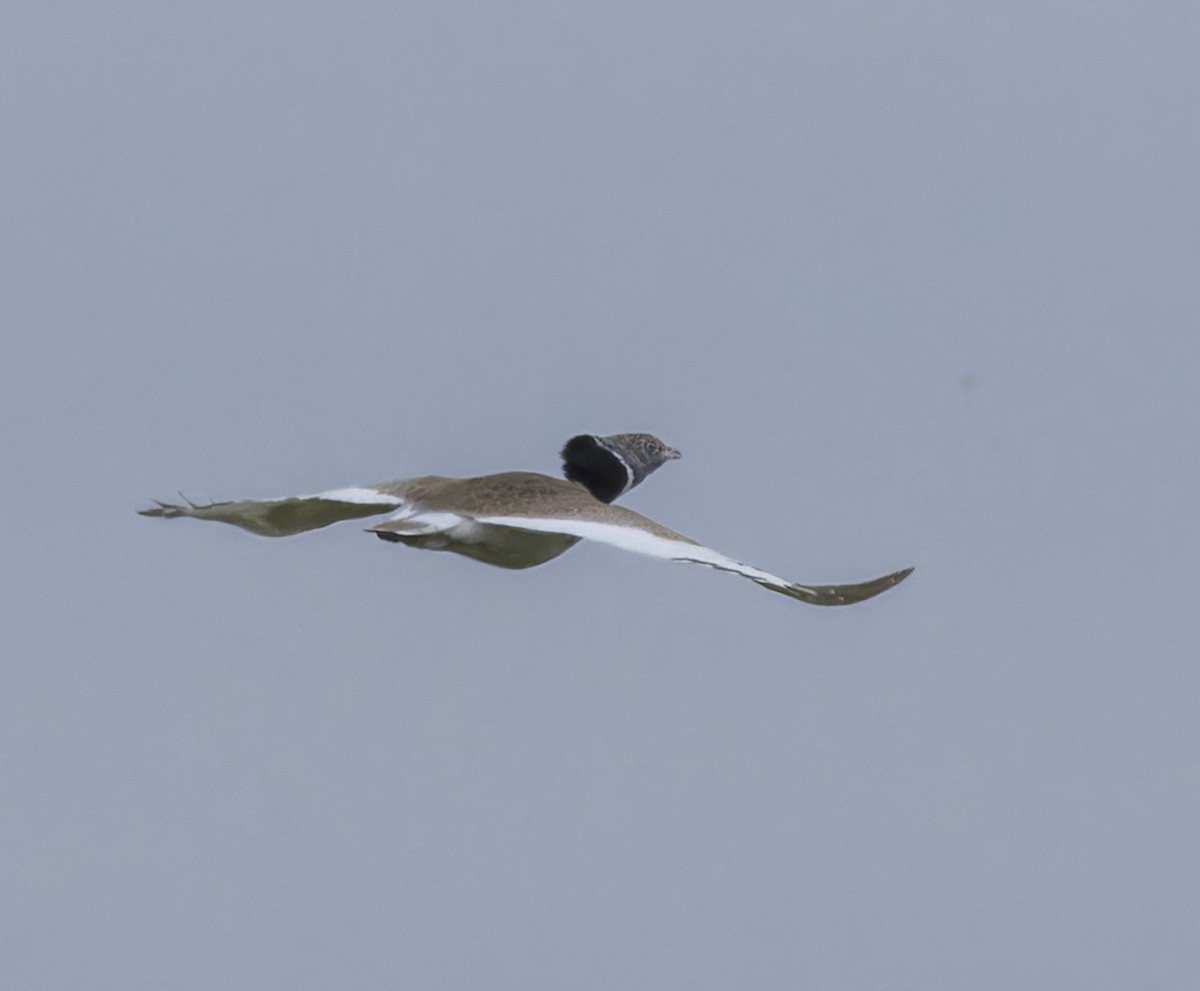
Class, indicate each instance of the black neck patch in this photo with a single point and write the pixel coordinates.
(596, 468)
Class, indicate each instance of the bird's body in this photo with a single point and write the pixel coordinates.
(517, 519)
(514, 501)
(466, 499)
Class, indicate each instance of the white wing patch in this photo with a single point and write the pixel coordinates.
(630, 538)
(367, 497)
(633, 538)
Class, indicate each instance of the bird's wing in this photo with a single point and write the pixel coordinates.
(633, 534)
(285, 517)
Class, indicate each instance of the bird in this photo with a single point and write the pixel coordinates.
(518, 519)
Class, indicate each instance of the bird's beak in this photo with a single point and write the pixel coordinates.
(672, 454)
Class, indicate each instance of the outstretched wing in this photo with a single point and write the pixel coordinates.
(285, 517)
(643, 536)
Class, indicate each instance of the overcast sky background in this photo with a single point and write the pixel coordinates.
(907, 283)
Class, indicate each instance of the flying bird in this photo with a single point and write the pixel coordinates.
(517, 519)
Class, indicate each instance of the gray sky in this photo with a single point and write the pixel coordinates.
(906, 283)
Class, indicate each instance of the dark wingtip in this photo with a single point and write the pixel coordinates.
(868, 590)
(874, 588)
(843, 595)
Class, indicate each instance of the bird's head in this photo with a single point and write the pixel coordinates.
(609, 466)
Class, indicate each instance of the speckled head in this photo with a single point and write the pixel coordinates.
(610, 466)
